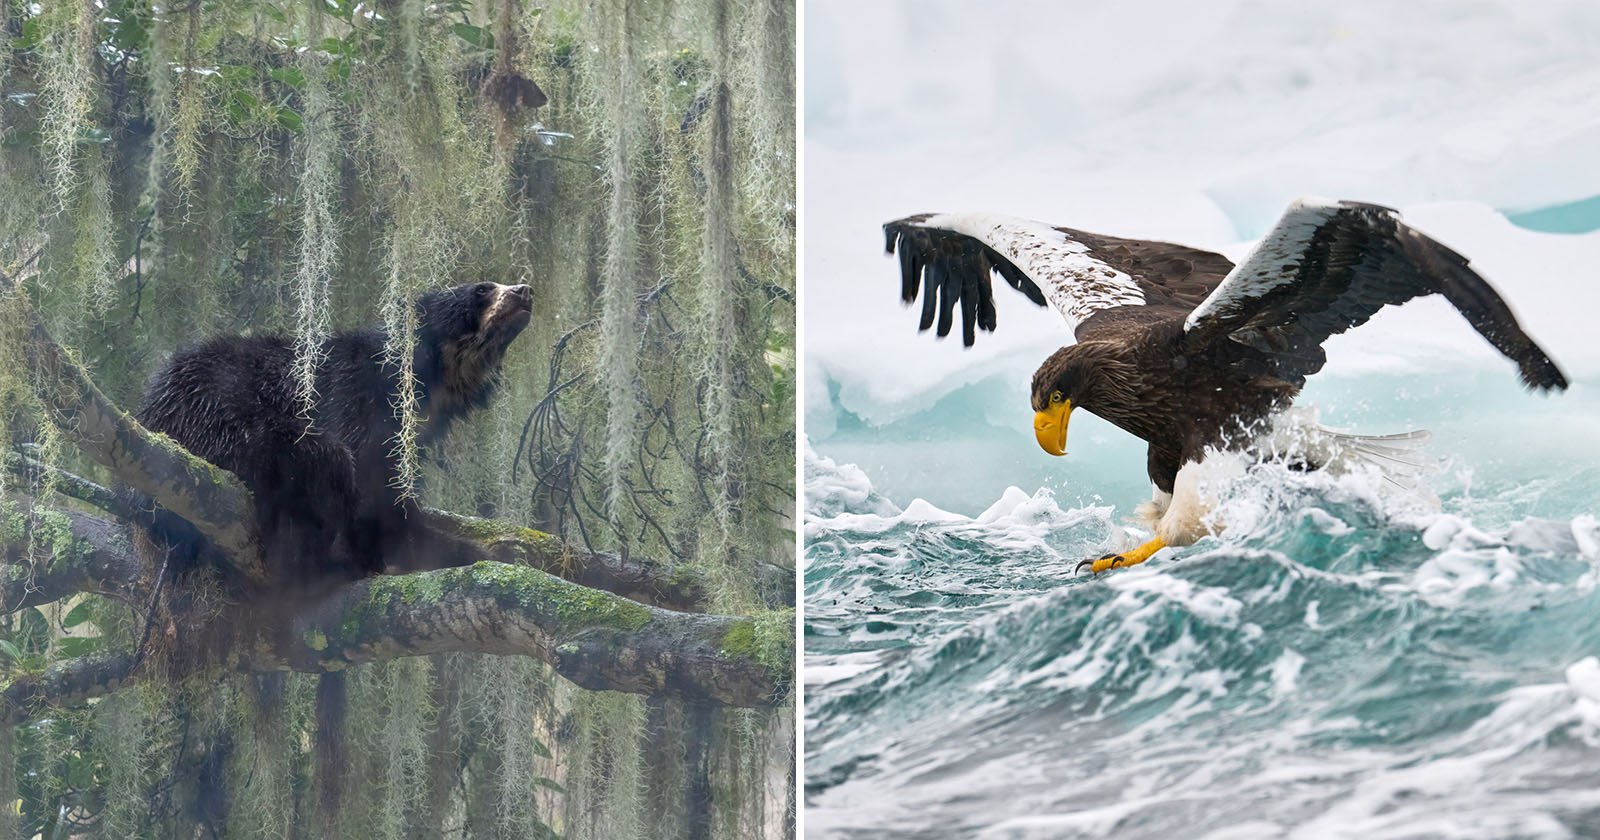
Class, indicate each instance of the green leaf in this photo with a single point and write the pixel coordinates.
(32, 34)
(236, 74)
(75, 646)
(474, 35)
(80, 772)
(130, 34)
(33, 631)
(292, 76)
(540, 781)
(334, 46)
(79, 614)
(10, 650)
(290, 118)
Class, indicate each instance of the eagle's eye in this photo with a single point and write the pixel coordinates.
(1056, 398)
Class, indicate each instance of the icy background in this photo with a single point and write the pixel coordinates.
(1196, 123)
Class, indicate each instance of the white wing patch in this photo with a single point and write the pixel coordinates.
(1075, 283)
(1271, 262)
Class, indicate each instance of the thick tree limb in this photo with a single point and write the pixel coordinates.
(639, 578)
(597, 640)
(210, 498)
(63, 684)
(36, 472)
(53, 554)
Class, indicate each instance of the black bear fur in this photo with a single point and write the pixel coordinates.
(325, 485)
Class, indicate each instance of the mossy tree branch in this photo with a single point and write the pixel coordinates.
(65, 683)
(211, 499)
(595, 639)
(53, 554)
(642, 579)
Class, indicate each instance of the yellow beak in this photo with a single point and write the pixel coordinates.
(1050, 427)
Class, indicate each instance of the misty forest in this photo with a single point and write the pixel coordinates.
(622, 665)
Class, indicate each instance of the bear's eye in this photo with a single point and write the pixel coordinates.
(483, 290)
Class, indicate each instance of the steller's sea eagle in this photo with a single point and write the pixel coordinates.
(1181, 347)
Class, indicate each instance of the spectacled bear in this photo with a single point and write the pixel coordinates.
(325, 483)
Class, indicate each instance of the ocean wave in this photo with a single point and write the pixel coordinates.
(1342, 660)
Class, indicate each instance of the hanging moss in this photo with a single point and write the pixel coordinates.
(319, 234)
(68, 87)
(8, 782)
(605, 769)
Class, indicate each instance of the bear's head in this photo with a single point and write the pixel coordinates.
(462, 336)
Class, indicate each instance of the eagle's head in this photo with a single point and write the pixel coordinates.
(1076, 376)
(1057, 386)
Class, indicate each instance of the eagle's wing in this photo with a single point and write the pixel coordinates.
(949, 258)
(1329, 266)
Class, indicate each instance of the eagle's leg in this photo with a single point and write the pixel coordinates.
(1126, 558)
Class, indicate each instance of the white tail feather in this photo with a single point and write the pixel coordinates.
(1296, 438)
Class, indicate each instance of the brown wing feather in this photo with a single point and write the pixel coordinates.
(1326, 268)
(1171, 275)
(950, 268)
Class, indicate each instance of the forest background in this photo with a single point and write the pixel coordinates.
(174, 170)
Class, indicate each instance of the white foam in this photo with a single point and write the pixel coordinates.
(833, 488)
(1006, 505)
(1286, 672)
(840, 667)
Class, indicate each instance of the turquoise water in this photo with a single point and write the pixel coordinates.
(1579, 216)
(1347, 659)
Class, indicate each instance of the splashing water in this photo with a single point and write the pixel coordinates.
(1345, 660)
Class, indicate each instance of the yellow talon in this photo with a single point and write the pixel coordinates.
(1109, 561)
(1127, 558)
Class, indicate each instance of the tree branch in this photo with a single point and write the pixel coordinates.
(639, 578)
(599, 641)
(64, 683)
(210, 498)
(52, 554)
(596, 639)
(37, 472)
